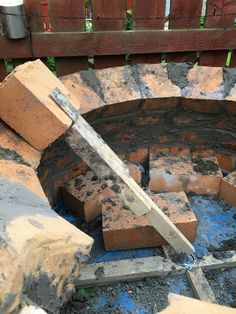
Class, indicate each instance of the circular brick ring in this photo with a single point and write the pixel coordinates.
(137, 110)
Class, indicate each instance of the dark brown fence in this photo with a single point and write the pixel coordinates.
(102, 33)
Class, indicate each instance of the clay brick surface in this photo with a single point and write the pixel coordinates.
(86, 95)
(118, 85)
(228, 188)
(173, 150)
(139, 155)
(27, 107)
(22, 175)
(173, 174)
(84, 194)
(13, 147)
(204, 83)
(123, 230)
(36, 243)
(155, 81)
(226, 161)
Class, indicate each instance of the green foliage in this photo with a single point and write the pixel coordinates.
(51, 64)
(88, 25)
(129, 20)
(9, 65)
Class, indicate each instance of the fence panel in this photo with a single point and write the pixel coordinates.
(184, 14)
(219, 14)
(148, 14)
(109, 16)
(3, 70)
(34, 15)
(68, 16)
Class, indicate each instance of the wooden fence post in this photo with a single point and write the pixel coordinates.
(148, 15)
(183, 15)
(218, 15)
(66, 16)
(109, 15)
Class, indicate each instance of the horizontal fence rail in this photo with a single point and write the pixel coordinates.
(72, 35)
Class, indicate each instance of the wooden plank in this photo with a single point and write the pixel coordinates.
(138, 268)
(109, 15)
(86, 143)
(119, 42)
(126, 270)
(3, 70)
(218, 14)
(34, 13)
(68, 16)
(200, 285)
(184, 305)
(184, 15)
(233, 59)
(149, 14)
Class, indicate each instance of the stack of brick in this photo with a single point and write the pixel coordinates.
(83, 194)
(39, 249)
(123, 230)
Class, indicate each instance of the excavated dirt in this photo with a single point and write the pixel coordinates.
(223, 285)
(150, 295)
(143, 296)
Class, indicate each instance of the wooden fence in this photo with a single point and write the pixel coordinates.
(124, 31)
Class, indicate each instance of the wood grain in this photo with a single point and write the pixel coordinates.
(138, 268)
(200, 285)
(119, 42)
(218, 14)
(184, 15)
(148, 14)
(68, 16)
(3, 70)
(109, 15)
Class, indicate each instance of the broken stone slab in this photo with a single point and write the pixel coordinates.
(123, 230)
(40, 253)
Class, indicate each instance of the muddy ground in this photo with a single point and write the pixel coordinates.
(216, 233)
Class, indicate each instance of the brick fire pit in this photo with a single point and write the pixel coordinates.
(172, 110)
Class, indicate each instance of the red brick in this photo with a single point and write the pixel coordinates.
(173, 150)
(139, 155)
(84, 194)
(180, 151)
(173, 174)
(202, 152)
(88, 98)
(22, 175)
(135, 172)
(201, 105)
(29, 110)
(10, 140)
(162, 104)
(205, 83)
(226, 161)
(124, 230)
(228, 188)
(155, 78)
(160, 149)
